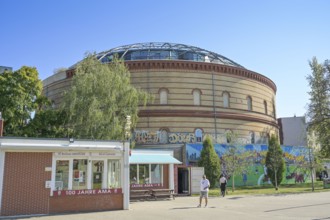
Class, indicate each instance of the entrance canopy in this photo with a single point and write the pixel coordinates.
(152, 158)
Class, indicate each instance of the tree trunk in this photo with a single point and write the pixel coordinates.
(276, 180)
(233, 184)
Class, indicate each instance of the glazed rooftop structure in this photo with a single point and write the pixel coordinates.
(164, 51)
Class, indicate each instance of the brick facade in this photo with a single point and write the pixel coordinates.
(85, 203)
(24, 189)
(25, 193)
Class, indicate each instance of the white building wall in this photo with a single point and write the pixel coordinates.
(294, 130)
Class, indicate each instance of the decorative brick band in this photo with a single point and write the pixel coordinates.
(205, 114)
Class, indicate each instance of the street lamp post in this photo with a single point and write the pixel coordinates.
(126, 148)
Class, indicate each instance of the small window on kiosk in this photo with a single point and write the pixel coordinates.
(97, 167)
(62, 175)
(79, 178)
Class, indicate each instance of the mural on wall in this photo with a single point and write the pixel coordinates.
(161, 137)
(256, 174)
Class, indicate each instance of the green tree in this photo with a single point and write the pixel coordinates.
(100, 98)
(47, 122)
(318, 112)
(275, 162)
(19, 91)
(210, 161)
(236, 160)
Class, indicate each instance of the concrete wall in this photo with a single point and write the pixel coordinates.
(293, 131)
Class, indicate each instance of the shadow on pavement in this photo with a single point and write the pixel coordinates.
(297, 207)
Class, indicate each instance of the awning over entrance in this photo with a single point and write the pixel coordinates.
(141, 158)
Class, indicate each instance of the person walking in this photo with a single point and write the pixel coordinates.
(205, 185)
(223, 183)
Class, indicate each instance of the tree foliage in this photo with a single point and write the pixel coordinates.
(100, 98)
(47, 122)
(210, 161)
(319, 106)
(236, 160)
(275, 162)
(19, 92)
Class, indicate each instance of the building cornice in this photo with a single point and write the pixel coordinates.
(166, 65)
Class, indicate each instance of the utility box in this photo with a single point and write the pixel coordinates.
(326, 183)
(196, 176)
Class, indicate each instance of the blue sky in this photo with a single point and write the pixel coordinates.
(273, 38)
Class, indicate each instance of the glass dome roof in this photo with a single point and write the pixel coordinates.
(164, 51)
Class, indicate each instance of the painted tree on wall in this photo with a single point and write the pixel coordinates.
(210, 161)
(236, 160)
(275, 162)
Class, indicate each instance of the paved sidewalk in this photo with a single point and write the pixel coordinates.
(298, 206)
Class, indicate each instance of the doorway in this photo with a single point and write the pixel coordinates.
(183, 181)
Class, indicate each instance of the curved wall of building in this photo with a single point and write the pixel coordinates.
(182, 116)
(193, 99)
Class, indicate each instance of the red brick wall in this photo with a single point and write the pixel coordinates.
(24, 189)
(166, 176)
(1, 127)
(85, 203)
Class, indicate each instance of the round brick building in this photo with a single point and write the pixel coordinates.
(197, 92)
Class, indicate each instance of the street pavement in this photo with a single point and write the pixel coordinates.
(312, 206)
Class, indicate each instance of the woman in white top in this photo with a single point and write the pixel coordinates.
(223, 183)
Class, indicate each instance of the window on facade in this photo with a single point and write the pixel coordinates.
(114, 180)
(62, 175)
(225, 99)
(229, 135)
(156, 173)
(163, 97)
(274, 111)
(252, 137)
(265, 106)
(79, 178)
(133, 174)
(249, 103)
(144, 177)
(197, 97)
(77, 174)
(97, 168)
(163, 139)
(146, 174)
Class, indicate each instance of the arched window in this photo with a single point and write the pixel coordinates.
(265, 106)
(229, 135)
(163, 96)
(225, 99)
(197, 96)
(163, 139)
(274, 110)
(199, 135)
(249, 103)
(252, 137)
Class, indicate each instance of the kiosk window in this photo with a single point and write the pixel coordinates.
(156, 173)
(144, 177)
(79, 174)
(97, 167)
(114, 178)
(62, 175)
(133, 174)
